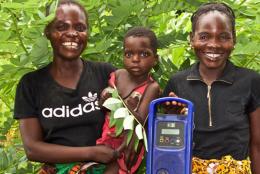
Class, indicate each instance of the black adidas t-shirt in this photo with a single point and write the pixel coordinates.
(68, 117)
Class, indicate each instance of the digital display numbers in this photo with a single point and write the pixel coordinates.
(171, 124)
(170, 131)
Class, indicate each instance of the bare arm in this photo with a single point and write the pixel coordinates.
(152, 92)
(255, 141)
(38, 150)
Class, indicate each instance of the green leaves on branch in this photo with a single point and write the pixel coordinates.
(123, 120)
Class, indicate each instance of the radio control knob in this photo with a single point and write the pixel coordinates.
(178, 140)
(162, 171)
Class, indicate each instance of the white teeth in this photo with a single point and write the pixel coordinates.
(213, 56)
(72, 45)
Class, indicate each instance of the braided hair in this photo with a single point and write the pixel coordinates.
(214, 6)
(69, 2)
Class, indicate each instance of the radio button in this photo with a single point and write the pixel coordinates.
(162, 171)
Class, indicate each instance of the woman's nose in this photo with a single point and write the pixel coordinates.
(214, 43)
(72, 33)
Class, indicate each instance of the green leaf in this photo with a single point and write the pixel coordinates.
(139, 131)
(7, 47)
(249, 48)
(112, 121)
(4, 162)
(47, 19)
(128, 123)
(53, 7)
(111, 91)
(119, 126)
(5, 35)
(112, 104)
(129, 136)
(115, 94)
(136, 143)
(185, 64)
(40, 49)
(100, 46)
(12, 5)
(121, 113)
(177, 54)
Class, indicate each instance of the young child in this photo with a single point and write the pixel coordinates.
(136, 87)
(226, 97)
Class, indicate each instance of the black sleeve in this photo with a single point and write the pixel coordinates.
(24, 106)
(107, 69)
(170, 87)
(255, 94)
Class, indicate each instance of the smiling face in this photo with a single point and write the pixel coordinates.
(139, 57)
(68, 32)
(213, 40)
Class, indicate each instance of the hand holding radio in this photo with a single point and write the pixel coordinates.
(175, 107)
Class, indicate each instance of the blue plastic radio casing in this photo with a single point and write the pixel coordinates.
(169, 139)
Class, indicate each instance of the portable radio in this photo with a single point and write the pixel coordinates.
(169, 139)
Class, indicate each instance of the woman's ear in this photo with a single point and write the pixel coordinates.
(191, 39)
(156, 59)
(47, 31)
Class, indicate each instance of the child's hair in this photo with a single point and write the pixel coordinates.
(143, 32)
(69, 2)
(214, 6)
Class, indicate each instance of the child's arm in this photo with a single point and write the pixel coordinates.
(152, 92)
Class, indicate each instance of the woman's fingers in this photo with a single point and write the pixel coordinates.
(172, 94)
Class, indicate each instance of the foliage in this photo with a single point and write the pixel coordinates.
(24, 48)
(123, 119)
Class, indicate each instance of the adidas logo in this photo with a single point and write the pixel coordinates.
(91, 97)
(65, 111)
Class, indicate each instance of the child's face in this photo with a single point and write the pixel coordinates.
(139, 57)
(68, 32)
(212, 39)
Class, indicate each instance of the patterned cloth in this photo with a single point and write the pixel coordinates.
(226, 165)
(73, 168)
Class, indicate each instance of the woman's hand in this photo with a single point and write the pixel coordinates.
(104, 154)
(175, 107)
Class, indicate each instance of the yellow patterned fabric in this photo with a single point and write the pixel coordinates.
(226, 165)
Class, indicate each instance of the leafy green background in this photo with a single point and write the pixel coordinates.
(23, 48)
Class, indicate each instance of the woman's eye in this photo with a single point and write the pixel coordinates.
(80, 28)
(61, 27)
(203, 37)
(225, 37)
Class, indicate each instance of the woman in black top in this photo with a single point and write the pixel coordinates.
(226, 97)
(57, 106)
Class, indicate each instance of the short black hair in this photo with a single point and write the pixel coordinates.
(143, 32)
(69, 2)
(214, 6)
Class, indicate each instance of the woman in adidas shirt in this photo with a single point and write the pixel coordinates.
(57, 105)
